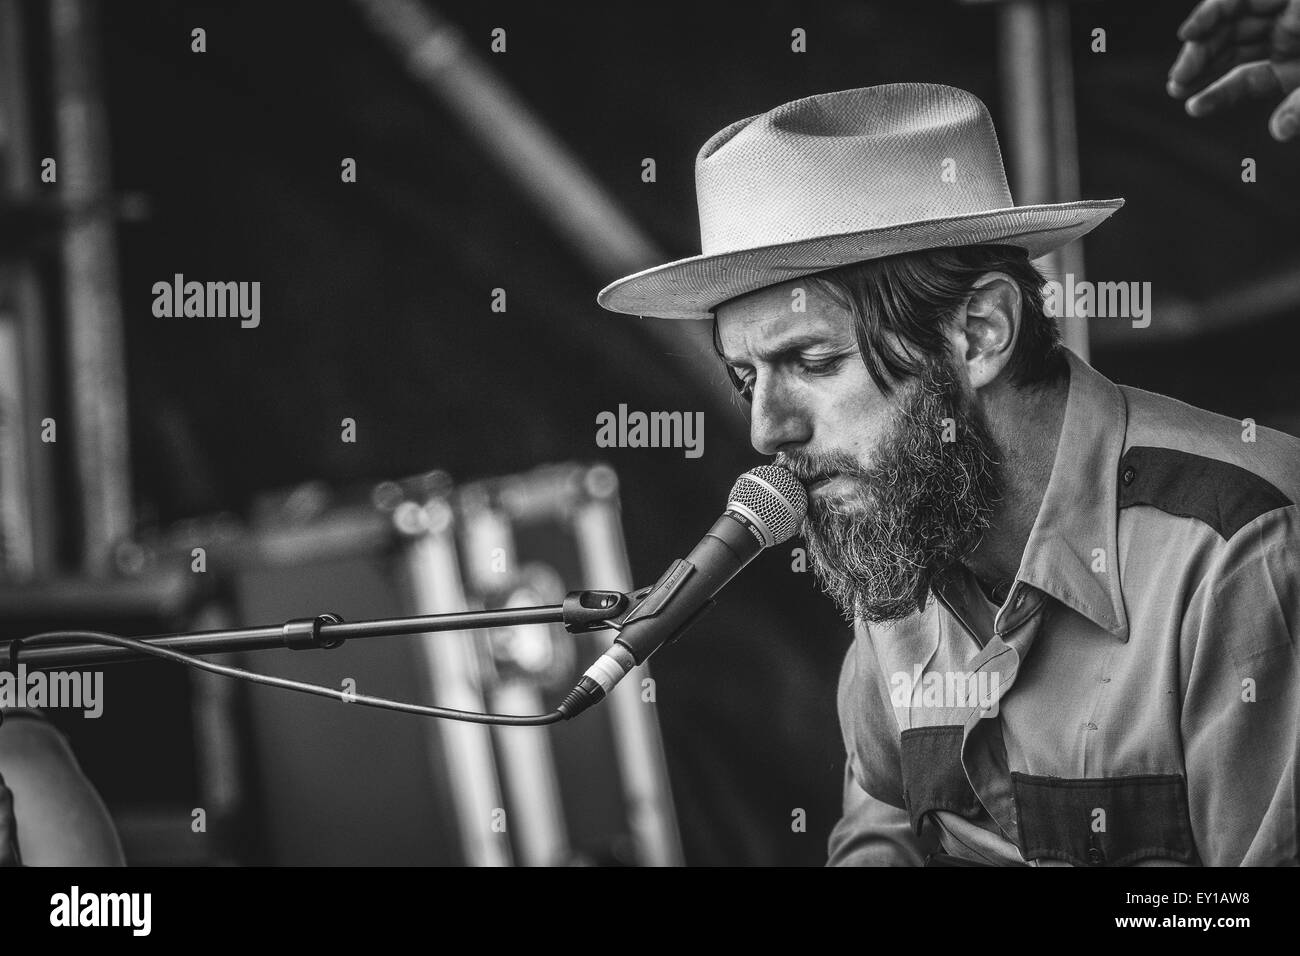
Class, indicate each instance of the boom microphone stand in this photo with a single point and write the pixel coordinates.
(582, 612)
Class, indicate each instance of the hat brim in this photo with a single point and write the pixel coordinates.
(691, 288)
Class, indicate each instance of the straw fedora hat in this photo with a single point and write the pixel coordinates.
(840, 178)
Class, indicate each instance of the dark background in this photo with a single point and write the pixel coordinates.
(376, 295)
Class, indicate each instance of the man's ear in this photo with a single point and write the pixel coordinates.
(988, 325)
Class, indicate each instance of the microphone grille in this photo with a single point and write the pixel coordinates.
(775, 497)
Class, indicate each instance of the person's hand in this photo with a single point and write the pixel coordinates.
(1243, 49)
(8, 829)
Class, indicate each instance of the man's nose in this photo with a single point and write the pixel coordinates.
(775, 421)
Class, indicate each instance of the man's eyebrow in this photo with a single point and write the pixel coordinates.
(784, 348)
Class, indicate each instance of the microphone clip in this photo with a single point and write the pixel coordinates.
(588, 611)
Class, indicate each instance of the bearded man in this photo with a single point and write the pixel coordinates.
(1075, 603)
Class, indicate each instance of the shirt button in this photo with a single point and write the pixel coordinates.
(1129, 474)
(1096, 855)
(1105, 680)
(1090, 725)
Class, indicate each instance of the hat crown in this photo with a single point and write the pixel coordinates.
(848, 161)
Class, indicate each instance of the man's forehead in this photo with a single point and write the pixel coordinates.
(794, 313)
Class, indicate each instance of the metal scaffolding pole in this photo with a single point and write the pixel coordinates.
(95, 344)
(27, 485)
(1038, 89)
(546, 172)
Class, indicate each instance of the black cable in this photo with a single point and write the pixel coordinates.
(143, 647)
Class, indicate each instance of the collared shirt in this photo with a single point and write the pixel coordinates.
(1135, 699)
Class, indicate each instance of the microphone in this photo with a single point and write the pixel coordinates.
(765, 507)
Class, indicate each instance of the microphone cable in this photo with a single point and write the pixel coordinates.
(347, 697)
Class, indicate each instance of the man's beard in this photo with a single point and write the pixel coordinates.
(914, 514)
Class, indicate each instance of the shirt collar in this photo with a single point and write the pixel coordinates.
(1072, 551)
(1076, 529)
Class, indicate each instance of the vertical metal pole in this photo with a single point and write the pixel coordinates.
(96, 349)
(452, 674)
(524, 754)
(1038, 89)
(640, 747)
(28, 476)
(216, 736)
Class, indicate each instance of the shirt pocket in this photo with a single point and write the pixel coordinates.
(933, 776)
(1104, 821)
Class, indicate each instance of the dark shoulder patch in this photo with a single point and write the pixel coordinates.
(1223, 495)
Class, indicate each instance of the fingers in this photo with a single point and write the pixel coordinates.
(8, 829)
(1284, 124)
(1286, 32)
(1245, 82)
(1198, 60)
(1209, 16)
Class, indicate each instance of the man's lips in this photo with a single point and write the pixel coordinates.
(822, 482)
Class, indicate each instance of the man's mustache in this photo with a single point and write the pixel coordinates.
(811, 467)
